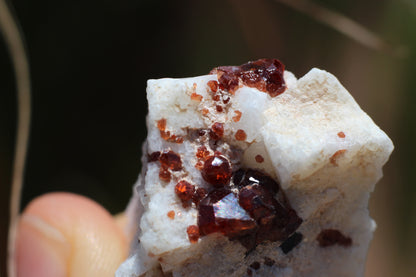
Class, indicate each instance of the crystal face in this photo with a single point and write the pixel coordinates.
(193, 233)
(213, 85)
(291, 242)
(244, 177)
(199, 194)
(228, 208)
(220, 212)
(252, 209)
(217, 171)
(265, 74)
(184, 190)
(171, 160)
(217, 131)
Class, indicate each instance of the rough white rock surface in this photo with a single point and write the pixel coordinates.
(326, 176)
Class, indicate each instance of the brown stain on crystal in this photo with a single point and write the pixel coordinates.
(333, 159)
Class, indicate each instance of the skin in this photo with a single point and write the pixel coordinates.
(63, 234)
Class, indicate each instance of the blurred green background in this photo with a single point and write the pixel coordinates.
(90, 60)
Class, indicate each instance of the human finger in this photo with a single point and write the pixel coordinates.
(63, 234)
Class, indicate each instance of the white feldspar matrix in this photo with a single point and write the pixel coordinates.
(249, 171)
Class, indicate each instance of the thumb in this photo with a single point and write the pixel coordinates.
(62, 234)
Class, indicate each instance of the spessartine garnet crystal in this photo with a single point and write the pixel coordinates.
(252, 209)
(265, 74)
(217, 171)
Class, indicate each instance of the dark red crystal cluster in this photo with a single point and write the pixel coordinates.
(251, 208)
(169, 161)
(265, 74)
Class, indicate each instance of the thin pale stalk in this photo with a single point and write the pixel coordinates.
(14, 40)
(344, 25)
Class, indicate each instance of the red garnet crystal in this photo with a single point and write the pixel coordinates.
(220, 212)
(259, 212)
(217, 131)
(171, 160)
(262, 198)
(213, 85)
(240, 135)
(329, 237)
(184, 190)
(164, 174)
(193, 233)
(259, 158)
(153, 157)
(265, 74)
(202, 152)
(228, 81)
(245, 177)
(217, 171)
(199, 194)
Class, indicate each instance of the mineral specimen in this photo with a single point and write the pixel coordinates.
(248, 171)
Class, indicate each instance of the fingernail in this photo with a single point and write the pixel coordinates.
(42, 250)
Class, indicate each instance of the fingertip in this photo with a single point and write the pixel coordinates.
(42, 250)
(81, 237)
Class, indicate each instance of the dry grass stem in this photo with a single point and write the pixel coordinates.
(344, 25)
(14, 41)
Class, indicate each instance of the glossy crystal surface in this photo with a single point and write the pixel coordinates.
(255, 211)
